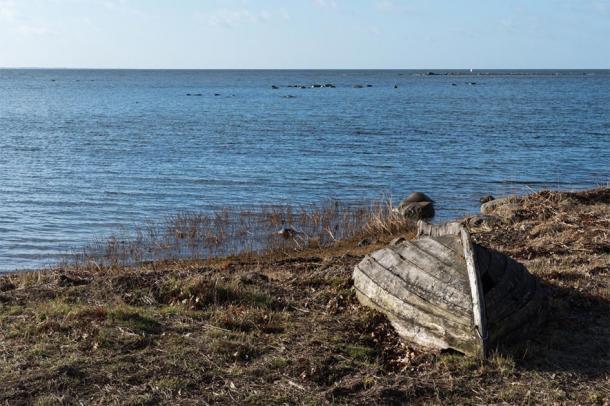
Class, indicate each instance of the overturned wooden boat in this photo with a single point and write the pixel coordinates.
(446, 292)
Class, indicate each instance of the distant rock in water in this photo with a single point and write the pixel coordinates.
(287, 232)
(416, 206)
(216, 94)
(274, 87)
(330, 85)
(367, 241)
(358, 86)
(395, 86)
(194, 94)
(369, 85)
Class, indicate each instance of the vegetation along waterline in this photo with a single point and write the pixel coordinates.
(282, 325)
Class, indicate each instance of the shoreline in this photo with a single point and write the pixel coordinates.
(101, 243)
(286, 328)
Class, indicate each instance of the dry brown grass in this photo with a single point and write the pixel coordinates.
(285, 328)
(200, 236)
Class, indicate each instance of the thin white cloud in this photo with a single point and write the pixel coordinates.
(389, 6)
(14, 20)
(7, 10)
(238, 17)
(123, 7)
(385, 5)
(326, 4)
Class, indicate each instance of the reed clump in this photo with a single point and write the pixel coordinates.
(230, 231)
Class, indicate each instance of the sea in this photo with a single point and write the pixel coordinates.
(86, 152)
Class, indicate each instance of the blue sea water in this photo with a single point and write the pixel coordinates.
(84, 152)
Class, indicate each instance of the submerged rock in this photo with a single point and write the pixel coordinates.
(367, 241)
(287, 232)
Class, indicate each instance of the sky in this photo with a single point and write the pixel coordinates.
(305, 34)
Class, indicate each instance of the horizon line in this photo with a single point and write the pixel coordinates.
(296, 69)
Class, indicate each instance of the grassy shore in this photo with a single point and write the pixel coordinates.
(284, 327)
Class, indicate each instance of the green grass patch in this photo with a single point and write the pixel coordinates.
(360, 353)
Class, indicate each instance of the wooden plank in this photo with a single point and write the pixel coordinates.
(493, 264)
(408, 331)
(442, 248)
(448, 273)
(446, 292)
(454, 243)
(412, 326)
(478, 303)
(483, 258)
(515, 296)
(390, 303)
(526, 315)
(513, 279)
(425, 229)
(414, 295)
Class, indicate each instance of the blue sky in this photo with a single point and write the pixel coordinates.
(305, 33)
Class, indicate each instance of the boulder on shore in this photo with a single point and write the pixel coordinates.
(416, 206)
(486, 199)
(505, 208)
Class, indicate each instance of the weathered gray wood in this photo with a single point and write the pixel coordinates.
(527, 313)
(425, 229)
(513, 298)
(419, 293)
(453, 242)
(476, 290)
(483, 259)
(408, 305)
(447, 249)
(416, 328)
(413, 333)
(451, 273)
(496, 266)
(439, 290)
(442, 290)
